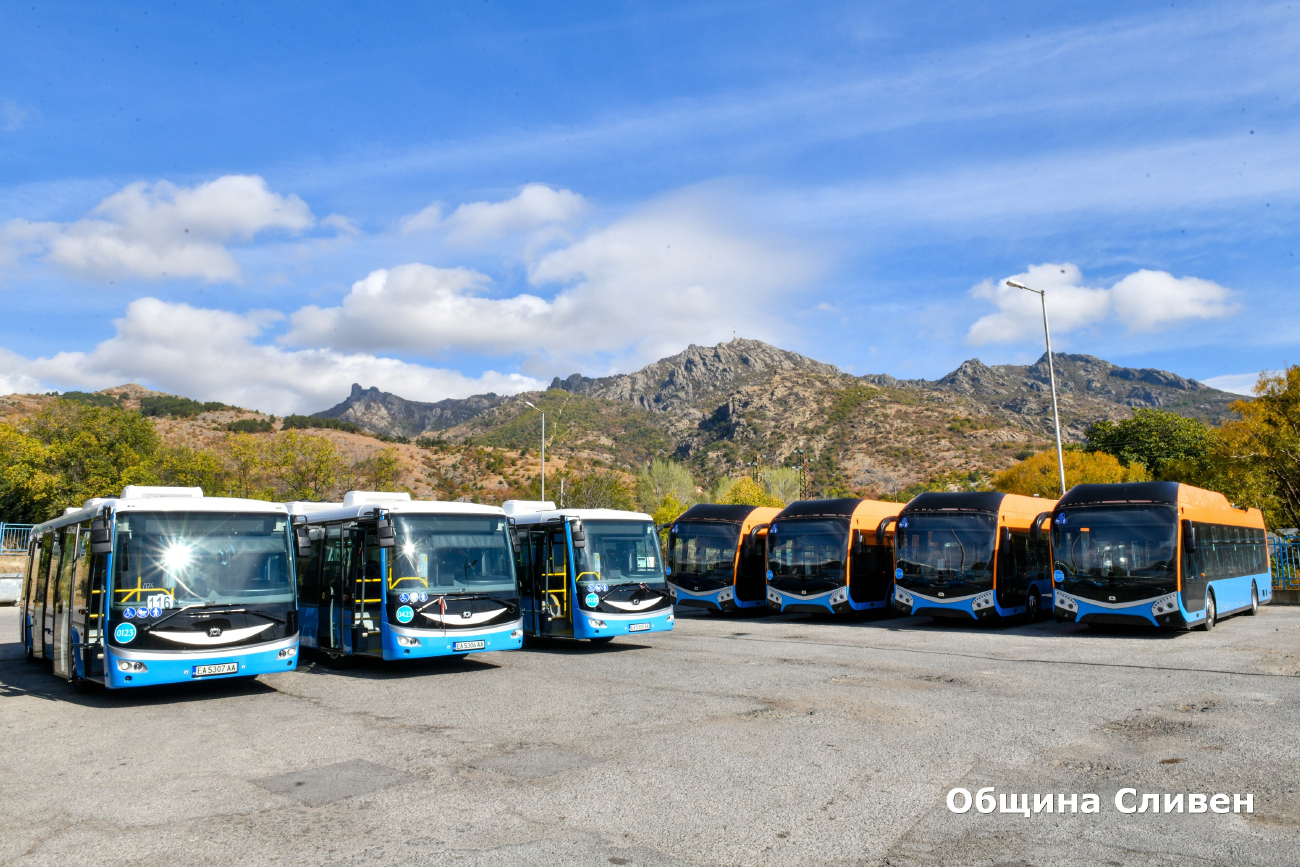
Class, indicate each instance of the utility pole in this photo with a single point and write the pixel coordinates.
(1051, 372)
(543, 412)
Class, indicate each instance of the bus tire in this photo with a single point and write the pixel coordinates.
(1033, 606)
(1211, 611)
(1254, 600)
(80, 684)
(29, 655)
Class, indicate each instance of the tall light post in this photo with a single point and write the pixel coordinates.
(1051, 372)
(543, 412)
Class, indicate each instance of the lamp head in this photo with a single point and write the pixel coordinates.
(1013, 284)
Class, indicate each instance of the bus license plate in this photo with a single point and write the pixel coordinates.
(638, 627)
(469, 645)
(219, 668)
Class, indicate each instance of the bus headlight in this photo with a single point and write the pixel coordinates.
(595, 624)
(725, 594)
(773, 595)
(672, 591)
(405, 641)
(287, 653)
(518, 633)
(902, 596)
(841, 595)
(1066, 602)
(1165, 605)
(127, 665)
(984, 600)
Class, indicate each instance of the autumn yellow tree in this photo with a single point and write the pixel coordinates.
(1039, 475)
(747, 492)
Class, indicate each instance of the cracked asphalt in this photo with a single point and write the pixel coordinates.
(732, 740)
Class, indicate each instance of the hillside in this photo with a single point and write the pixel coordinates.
(725, 407)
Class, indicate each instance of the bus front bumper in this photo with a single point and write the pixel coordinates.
(723, 599)
(125, 668)
(977, 606)
(1165, 610)
(402, 642)
(602, 624)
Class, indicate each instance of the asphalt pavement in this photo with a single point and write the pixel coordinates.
(731, 740)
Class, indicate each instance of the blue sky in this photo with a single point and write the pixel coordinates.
(262, 203)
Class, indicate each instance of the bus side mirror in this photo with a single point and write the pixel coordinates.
(302, 539)
(1036, 528)
(1006, 535)
(1189, 536)
(579, 535)
(880, 530)
(101, 539)
(514, 538)
(857, 542)
(384, 532)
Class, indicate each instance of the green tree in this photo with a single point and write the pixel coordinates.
(185, 467)
(597, 489)
(1261, 453)
(782, 483)
(380, 470)
(70, 452)
(1151, 438)
(662, 479)
(306, 467)
(1040, 476)
(246, 459)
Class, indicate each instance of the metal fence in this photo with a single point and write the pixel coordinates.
(1286, 564)
(13, 538)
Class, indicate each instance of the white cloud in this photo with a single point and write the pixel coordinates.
(1140, 302)
(161, 230)
(212, 355)
(648, 284)
(536, 206)
(1237, 383)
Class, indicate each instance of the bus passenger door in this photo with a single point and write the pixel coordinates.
(88, 609)
(367, 592)
(62, 656)
(49, 595)
(329, 610)
(551, 592)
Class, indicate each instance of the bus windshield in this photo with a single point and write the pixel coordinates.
(704, 549)
(620, 552)
(808, 550)
(443, 554)
(948, 552)
(175, 559)
(1117, 553)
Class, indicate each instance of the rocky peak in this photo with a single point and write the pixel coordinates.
(385, 413)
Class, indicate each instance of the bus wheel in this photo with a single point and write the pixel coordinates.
(1032, 606)
(1211, 612)
(80, 684)
(29, 654)
(1254, 600)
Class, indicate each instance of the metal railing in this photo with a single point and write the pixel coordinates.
(1286, 564)
(13, 538)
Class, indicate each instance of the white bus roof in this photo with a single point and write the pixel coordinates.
(357, 504)
(142, 498)
(533, 512)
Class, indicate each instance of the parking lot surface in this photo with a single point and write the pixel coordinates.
(731, 740)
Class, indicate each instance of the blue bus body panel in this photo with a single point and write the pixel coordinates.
(977, 606)
(166, 667)
(622, 624)
(1231, 595)
(782, 601)
(722, 599)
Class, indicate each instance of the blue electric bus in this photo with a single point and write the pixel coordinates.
(1158, 554)
(973, 555)
(589, 573)
(717, 556)
(831, 556)
(161, 585)
(394, 578)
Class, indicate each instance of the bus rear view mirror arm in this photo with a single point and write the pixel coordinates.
(882, 528)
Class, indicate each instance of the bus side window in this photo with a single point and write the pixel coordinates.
(48, 551)
(309, 568)
(524, 561)
(64, 586)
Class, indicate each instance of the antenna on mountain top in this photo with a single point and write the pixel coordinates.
(733, 333)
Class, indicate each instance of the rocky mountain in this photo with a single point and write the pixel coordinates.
(745, 402)
(384, 413)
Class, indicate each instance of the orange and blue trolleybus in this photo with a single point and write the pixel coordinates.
(717, 557)
(973, 555)
(1156, 553)
(831, 556)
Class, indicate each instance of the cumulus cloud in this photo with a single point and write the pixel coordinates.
(646, 284)
(1238, 383)
(1143, 301)
(161, 230)
(213, 355)
(537, 206)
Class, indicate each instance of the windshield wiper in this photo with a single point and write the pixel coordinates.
(211, 608)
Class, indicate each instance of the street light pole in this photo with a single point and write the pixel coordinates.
(543, 412)
(1051, 372)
